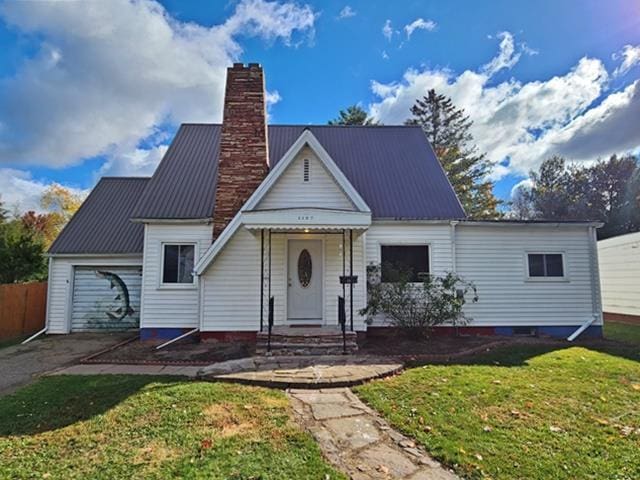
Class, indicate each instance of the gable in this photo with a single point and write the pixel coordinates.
(313, 188)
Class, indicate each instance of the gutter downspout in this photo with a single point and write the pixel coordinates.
(582, 328)
(453, 224)
(179, 337)
(596, 300)
(46, 320)
(452, 234)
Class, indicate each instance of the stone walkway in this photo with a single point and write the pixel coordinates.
(117, 369)
(279, 372)
(358, 441)
(312, 371)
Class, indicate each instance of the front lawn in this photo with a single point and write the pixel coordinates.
(622, 332)
(526, 413)
(113, 427)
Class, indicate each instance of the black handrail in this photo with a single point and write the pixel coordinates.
(342, 320)
(271, 303)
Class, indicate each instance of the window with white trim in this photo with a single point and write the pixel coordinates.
(545, 265)
(177, 264)
(412, 260)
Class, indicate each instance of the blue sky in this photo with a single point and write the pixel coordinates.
(100, 88)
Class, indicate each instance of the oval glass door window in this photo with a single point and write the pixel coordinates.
(304, 268)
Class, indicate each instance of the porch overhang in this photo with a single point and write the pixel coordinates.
(305, 219)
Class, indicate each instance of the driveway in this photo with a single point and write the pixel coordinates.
(21, 364)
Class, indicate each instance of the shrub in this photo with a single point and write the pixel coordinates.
(417, 307)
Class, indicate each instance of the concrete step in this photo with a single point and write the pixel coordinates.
(306, 341)
(289, 349)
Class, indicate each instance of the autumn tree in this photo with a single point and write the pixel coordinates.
(43, 224)
(353, 115)
(448, 130)
(61, 203)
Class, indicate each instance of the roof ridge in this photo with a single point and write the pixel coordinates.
(305, 125)
(124, 177)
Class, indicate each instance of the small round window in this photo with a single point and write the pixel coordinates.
(304, 268)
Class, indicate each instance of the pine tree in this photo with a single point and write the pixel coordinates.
(448, 130)
(3, 211)
(353, 115)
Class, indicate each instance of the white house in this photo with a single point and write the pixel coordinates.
(241, 214)
(620, 277)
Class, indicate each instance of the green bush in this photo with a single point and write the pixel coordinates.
(417, 307)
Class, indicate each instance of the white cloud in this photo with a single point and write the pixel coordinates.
(569, 114)
(387, 30)
(421, 24)
(108, 74)
(21, 192)
(385, 55)
(136, 163)
(346, 12)
(630, 58)
(527, 183)
(507, 57)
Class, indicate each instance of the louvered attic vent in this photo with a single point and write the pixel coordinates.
(305, 171)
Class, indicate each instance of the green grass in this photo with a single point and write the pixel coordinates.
(622, 332)
(110, 427)
(525, 414)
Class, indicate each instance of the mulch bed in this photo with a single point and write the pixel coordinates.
(402, 346)
(185, 352)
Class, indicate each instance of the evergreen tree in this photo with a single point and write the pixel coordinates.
(3, 211)
(21, 254)
(353, 115)
(448, 130)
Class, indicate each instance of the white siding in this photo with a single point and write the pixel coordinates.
(620, 274)
(494, 258)
(320, 192)
(170, 306)
(61, 285)
(231, 286)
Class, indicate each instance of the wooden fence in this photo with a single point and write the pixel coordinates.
(22, 309)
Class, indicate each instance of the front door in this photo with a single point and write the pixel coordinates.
(304, 292)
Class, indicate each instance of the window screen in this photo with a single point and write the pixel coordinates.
(410, 259)
(178, 264)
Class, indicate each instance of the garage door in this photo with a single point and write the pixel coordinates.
(106, 298)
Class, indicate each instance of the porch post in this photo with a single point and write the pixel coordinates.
(344, 252)
(261, 279)
(271, 302)
(351, 275)
(269, 263)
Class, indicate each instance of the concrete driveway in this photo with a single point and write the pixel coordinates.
(22, 364)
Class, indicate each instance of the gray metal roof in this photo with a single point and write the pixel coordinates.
(102, 224)
(184, 184)
(392, 167)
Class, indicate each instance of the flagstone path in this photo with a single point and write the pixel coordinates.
(358, 441)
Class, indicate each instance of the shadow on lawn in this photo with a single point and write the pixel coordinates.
(59, 401)
(518, 354)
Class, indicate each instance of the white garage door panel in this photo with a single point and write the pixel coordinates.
(100, 298)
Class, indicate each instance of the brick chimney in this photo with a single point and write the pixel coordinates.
(243, 161)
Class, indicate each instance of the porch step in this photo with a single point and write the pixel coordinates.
(306, 341)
